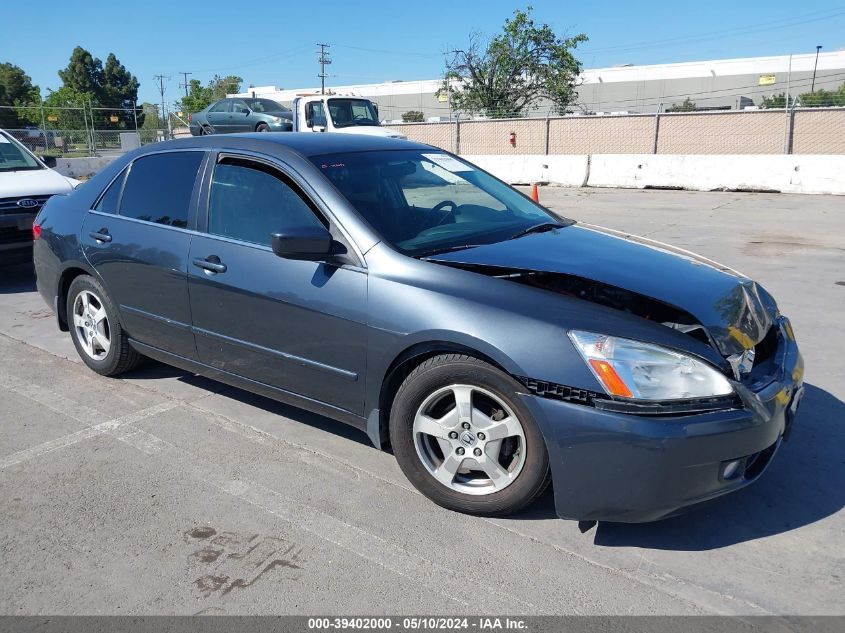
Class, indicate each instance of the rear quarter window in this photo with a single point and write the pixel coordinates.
(110, 198)
(159, 188)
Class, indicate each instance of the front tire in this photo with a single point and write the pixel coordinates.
(95, 329)
(262, 127)
(465, 440)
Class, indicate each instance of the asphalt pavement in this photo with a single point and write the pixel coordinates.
(164, 493)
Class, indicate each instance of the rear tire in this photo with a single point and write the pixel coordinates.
(95, 329)
(464, 439)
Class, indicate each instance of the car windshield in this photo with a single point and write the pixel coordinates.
(348, 112)
(14, 156)
(265, 105)
(428, 202)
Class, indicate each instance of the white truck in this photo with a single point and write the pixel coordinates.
(345, 114)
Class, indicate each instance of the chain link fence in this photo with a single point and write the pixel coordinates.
(798, 131)
(79, 131)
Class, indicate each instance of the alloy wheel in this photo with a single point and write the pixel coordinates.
(469, 440)
(92, 325)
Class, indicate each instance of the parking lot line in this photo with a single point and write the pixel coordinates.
(84, 434)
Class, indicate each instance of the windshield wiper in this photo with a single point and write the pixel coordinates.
(448, 249)
(539, 228)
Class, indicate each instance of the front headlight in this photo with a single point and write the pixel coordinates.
(642, 371)
(276, 119)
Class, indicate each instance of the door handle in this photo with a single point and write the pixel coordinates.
(101, 236)
(210, 264)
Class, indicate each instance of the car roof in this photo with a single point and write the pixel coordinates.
(305, 143)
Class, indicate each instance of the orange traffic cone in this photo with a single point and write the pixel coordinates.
(535, 196)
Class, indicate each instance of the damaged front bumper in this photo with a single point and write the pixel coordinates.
(626, 467)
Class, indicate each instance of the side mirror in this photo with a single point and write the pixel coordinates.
(308, 243)
(50, 161)
(309, 115)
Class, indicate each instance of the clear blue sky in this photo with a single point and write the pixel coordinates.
(273, 43)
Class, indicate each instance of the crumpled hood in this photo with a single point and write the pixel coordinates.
(35, 182)
(735, 310)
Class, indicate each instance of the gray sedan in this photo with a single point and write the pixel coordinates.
(241, 115)
(405, 291)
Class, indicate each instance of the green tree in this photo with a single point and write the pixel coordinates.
(514, 70)
(151, 117)
(687, 105)
(221, 86)
(775, 101)
(413, 116)
(68, 107)
(83, 74)
(111, 87)
(120, 91)
(199, 97)
(16, 89)
(817, 99)
(823, 98)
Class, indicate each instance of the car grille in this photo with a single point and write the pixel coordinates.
(10, 205)
(11, 235)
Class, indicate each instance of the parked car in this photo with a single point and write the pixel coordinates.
(26, 182)
(241, 115)
(401, 289)
(34, 138)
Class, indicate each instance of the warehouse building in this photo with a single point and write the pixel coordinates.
(725, 84)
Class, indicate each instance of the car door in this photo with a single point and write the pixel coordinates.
(299, 326)
(242, 119)
(137, 239)
(220, 116)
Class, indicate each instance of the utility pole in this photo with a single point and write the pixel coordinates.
(324, 60)
(185, 84)
(161, 79)
(816, 65)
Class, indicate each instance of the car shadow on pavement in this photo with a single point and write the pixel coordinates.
(16, 279)
(157, 371)
(804, 484)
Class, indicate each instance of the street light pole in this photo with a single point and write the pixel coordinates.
(816, 65)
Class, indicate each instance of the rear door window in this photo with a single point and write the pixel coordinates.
(159, 188)
(250, 201)
(222, 106)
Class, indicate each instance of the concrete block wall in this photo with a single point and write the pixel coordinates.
(821, 174)
(82, 167)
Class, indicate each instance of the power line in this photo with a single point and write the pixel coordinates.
(161, 80)
(258, 60)
(388, 51)
(724, 33)
(185, 84)
(324, 60)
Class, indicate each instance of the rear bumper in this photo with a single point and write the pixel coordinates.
(630, 468)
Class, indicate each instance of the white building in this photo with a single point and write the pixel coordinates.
(715, 84)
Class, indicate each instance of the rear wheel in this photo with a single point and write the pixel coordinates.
(96, 332)
(262, 127)
(464, 439)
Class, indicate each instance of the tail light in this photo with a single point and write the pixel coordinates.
(36, 231)
(190, 117)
